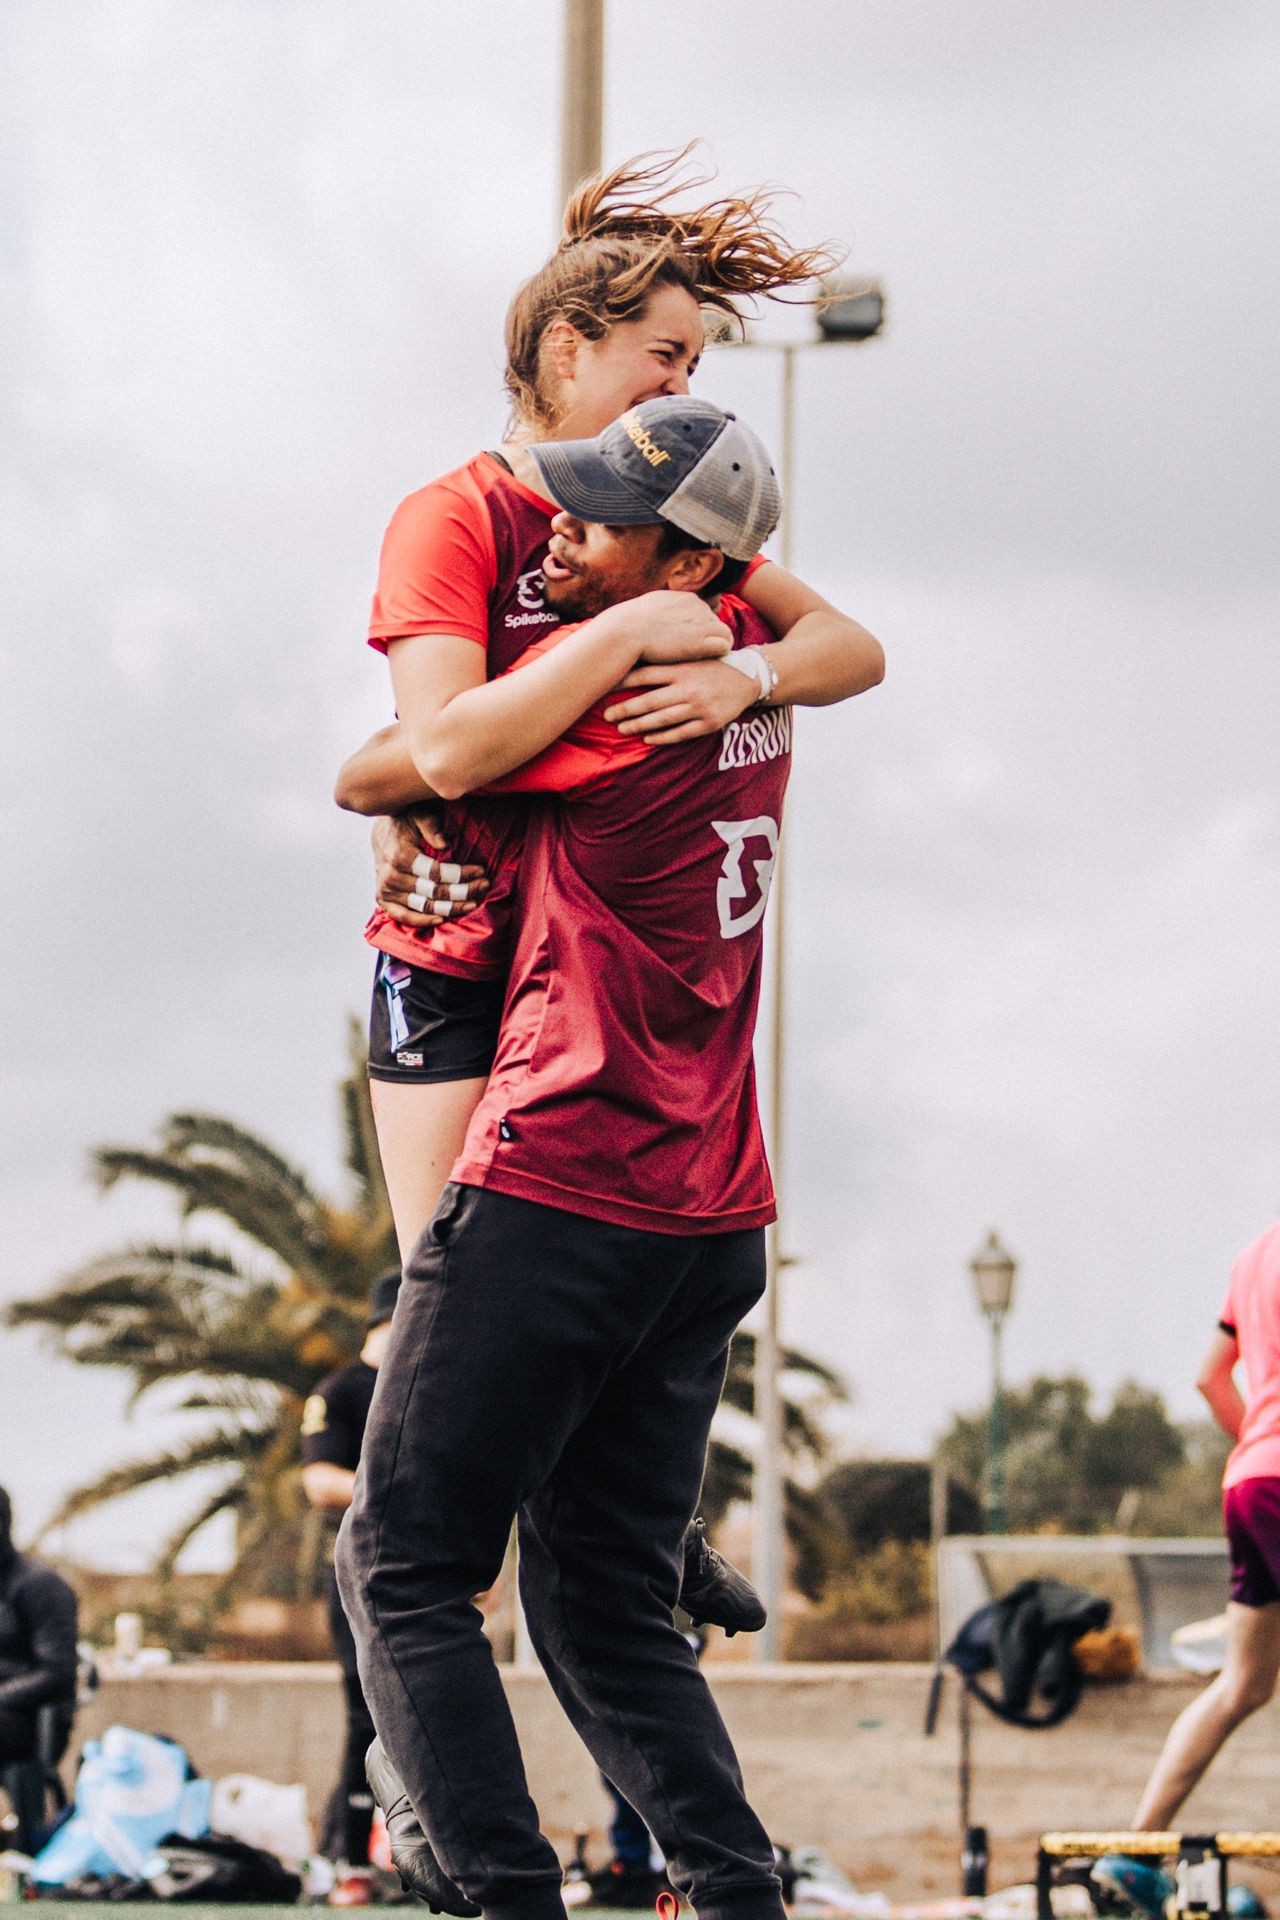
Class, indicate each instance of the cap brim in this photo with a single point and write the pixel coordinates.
(585, 485)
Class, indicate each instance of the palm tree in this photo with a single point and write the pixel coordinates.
(247, 1332)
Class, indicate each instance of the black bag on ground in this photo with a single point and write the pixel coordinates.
(218, 1868)
(1027, 1636)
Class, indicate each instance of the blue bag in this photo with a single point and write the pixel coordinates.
(132, 1790)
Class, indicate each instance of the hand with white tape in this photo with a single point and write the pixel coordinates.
(416, 885)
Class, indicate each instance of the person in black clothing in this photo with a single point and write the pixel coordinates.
(333, 1424)
(712, 1591)
(38, 1623)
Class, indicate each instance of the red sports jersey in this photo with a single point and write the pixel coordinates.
(624, 1085)
(464, 555)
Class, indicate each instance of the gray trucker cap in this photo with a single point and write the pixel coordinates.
(674, 458)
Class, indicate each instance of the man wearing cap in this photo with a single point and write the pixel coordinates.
(333, 1424)
(561, 1340)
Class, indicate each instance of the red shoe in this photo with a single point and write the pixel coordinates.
(354, 1889)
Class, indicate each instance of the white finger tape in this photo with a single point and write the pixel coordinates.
(442, 907)
(417, 903)
(459, 891)
(422, 866)
(449, 872)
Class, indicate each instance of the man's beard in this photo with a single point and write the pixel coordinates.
(576, 599)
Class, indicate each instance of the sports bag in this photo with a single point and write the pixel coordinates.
(1027, 1636)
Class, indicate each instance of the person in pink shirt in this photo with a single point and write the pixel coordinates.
(1248, 1331)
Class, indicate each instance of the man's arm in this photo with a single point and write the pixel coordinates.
(820, 657)
(1216, 1381)
(46, 1606)
(327, 1486)
(486, 731)
(329, 1437)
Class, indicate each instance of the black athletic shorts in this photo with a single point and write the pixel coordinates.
(431, 1026)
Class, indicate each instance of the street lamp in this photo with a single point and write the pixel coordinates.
(994, 1271)
(848, 312)
(851, 309)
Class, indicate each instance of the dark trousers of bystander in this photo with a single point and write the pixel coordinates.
(565, 1370)
(348, 1819)
(17, 1737)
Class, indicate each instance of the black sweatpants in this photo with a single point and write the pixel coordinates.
(348, 1819)
(17, 1737)
(566, 1370)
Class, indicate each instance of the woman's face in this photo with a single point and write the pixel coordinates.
(636, 360)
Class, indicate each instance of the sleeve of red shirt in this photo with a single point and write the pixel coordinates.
(438, 566)
(591, 750)
(754, 566)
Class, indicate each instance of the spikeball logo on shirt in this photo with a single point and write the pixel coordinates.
(529, 596)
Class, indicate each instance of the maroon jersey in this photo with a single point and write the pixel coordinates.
(624, 1084)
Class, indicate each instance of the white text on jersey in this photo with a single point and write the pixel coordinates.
(760, 737)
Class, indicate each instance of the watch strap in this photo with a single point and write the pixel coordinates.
(751, 661)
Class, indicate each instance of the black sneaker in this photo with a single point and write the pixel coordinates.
(713, 1592)
(420, 1872)
(620, 1885)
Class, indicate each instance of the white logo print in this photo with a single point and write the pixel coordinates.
(760, 737)
(529, 590)
(733, 887)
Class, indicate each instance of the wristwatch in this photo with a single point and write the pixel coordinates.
(751, 661)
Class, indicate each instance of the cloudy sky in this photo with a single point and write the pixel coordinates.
(255, 256)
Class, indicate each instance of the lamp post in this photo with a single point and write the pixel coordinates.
(994, 1271)
(851, 311)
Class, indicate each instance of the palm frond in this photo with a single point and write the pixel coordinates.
(188, 1135)
(149, 1279)
(247, 1399)
(264, 1214)
(165, 1312)
(226, 1446)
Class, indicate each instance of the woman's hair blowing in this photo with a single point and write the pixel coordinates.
(622, 239)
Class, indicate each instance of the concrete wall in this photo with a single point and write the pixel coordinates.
(834, 1756)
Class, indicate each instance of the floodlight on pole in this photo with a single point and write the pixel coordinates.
(851, 309)
(995, 1271)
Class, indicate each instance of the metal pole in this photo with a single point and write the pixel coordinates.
(938, 1487)
(769, 1493)
(786, 468)
(582, 105)
(996, 1517)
